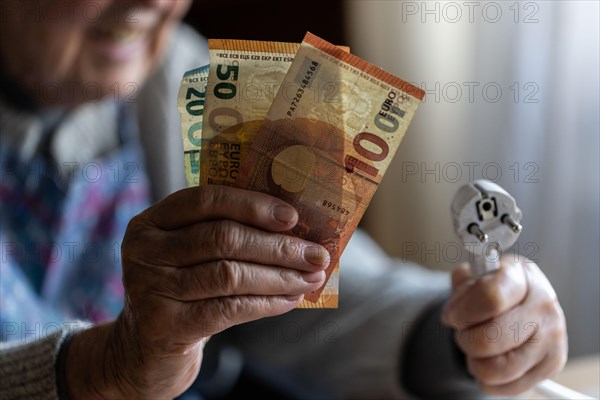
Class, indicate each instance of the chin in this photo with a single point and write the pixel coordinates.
(124, 83)
(118, 80)
(99, 80)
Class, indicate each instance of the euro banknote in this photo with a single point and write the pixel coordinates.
(190, 102)
(326, 156)
(243, 79)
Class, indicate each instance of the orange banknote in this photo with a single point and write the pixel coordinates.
(326, 155)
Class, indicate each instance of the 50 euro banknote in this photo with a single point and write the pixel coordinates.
(327, 156)
(244, 77)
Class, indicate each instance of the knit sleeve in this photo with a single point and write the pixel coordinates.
(28, 369)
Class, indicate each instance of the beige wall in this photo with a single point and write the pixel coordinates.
(407, 208)
(542, 134)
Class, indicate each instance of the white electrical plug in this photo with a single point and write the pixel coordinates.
(487, 220)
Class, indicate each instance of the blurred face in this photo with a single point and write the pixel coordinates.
(66, 52)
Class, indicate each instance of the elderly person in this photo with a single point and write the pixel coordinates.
(90, 139)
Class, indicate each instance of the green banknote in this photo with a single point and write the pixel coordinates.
(190, 103)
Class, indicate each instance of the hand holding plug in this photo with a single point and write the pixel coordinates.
(507, 318)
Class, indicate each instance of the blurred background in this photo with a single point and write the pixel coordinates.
(512, 96)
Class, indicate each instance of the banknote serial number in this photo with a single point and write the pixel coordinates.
(335, 207)
(304, 78)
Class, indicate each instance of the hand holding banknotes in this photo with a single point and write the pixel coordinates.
(200, 261)
(509, 325)
(299, 135)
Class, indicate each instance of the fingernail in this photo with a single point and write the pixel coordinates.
(316, 255)
(314, 277)
(284, 214)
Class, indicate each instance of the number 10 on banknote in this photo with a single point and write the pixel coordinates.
(326, 157)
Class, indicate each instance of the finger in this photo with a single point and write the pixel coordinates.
(538, 282)
(460, 275)
(540, 302)
(227, 278)
(548, 367)
(209, 317)
(502, 334)
(509, 366)
(210, 202)
(230, 240)
(538, 314)
(488, 296)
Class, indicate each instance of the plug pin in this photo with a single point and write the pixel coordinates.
(511, 223)
(477, 232)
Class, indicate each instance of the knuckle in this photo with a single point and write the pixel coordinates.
(492, 298)
(228, 236)
(266, 305)
(550, 308)
(260, 306)
(288, 249)
(483, 345)
(234, 310)
(254, 210)
(551, 312)
(229, 309)
(287, 276)
(228, 275)
(558, 335)
(133, 233)
(141, 242)
(208, 196)
(493, 370)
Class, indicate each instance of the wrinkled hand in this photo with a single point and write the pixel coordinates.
(194, 264)
(509, 324)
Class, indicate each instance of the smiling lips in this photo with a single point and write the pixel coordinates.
(122, 34)
(120, 43)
